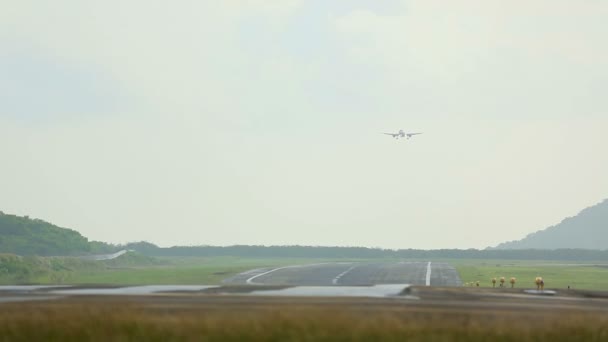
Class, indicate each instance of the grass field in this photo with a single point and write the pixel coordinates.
(558, 275)
(252, 319)
(132, 269)
(137, 269)
(211, 271)
(183, 271)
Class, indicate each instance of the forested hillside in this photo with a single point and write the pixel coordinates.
(26, 236)
(588, 230)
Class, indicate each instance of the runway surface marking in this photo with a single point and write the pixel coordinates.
(250, 280)
(352, 274)
(337, 279)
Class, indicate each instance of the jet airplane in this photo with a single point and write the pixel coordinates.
(402, 134)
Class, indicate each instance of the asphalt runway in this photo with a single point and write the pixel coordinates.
(333, 279)
(354, 274)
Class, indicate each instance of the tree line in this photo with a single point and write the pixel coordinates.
(25, 236)
(149, 249)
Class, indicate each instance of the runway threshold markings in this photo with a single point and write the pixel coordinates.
(428, 274)
(337, 278)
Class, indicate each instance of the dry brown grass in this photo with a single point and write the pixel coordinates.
(238, 319)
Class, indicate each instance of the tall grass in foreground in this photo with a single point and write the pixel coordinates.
(298, 322)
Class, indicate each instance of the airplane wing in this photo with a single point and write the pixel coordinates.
(393, 134)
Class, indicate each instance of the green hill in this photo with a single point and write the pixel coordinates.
(26, 236)
(587, 230)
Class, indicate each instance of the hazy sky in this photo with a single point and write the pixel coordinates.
(258, 122)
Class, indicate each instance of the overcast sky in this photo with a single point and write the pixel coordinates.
(258, 122)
